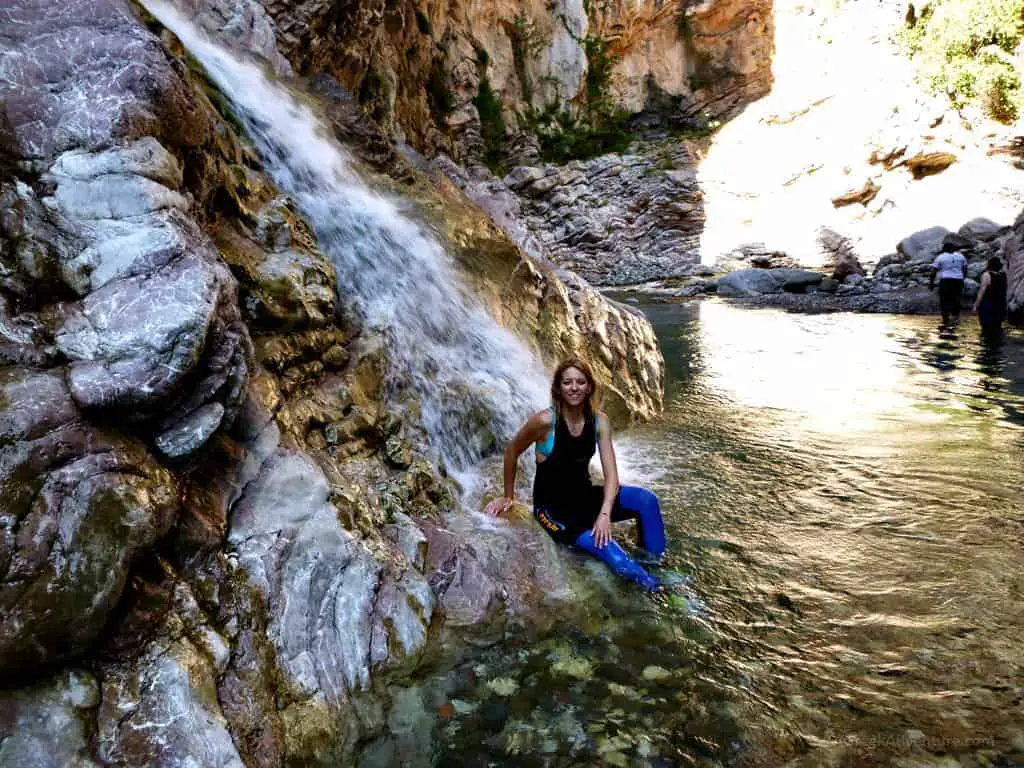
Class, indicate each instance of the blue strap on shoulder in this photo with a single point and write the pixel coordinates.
(544, 449)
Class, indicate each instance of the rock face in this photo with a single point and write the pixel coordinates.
(618, 219)
(1013, 259)
(426, 70)
(210, 502)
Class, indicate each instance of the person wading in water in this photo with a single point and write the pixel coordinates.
(990, 303)
(566, 503)
(951, 268)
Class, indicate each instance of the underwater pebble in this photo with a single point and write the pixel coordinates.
(503, 686)
(654, 672)
(463, 707)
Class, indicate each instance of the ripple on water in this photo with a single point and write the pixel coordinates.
(843, 495)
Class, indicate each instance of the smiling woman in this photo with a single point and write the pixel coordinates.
(566, 503)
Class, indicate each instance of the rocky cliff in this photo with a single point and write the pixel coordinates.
(223, 541)
(472, 78)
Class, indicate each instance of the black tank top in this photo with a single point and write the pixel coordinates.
(564, 476)
(995, 296)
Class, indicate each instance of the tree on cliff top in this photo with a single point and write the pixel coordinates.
(968, 49)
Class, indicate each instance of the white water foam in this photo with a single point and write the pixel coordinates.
(469, 374)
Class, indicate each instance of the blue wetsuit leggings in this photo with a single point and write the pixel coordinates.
(633, 504)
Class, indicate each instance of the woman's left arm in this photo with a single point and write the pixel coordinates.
(603, 525)
(986, 279)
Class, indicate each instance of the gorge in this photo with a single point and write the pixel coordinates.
(279, 278)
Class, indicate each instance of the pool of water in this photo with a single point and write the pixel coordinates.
(843, 495)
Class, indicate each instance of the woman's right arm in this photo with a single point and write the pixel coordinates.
(535, 429)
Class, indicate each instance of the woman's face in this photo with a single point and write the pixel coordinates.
(574, 387)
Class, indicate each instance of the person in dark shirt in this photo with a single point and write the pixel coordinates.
(990, 303)
(566, 503)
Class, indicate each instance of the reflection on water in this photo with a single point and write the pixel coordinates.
(843, 493)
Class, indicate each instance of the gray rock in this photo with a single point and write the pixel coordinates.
(796, 280)
(163, 709)
(982, 229)
(135, 340)
(46, 725)
(80, 506)
(408, 539)
(241, 25)
(923, 245)
(327, 622)
(192, 432)
(85, 74)
(749, 282)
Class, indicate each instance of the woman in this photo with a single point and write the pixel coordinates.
(990, 303)
(566, 503)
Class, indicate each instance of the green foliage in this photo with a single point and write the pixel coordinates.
(599, 71)
(963, 48)
(563, 138)
(492, 124)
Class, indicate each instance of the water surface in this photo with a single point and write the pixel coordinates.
(843, 494)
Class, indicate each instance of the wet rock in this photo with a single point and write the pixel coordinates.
(287, 284)
(163, 707)
(192, 432)
(334, 613)
(30, 717)
(83, 73)
(240, 24)
(135, 340)
(408, 539)
(80, 506)
(1013, 258)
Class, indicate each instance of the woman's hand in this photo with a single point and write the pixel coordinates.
(499, 507)
(602, 530)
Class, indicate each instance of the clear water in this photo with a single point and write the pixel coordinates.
(844, 495)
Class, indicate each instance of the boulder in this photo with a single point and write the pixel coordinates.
(796, 280)
(749, 282)
(982, 229)
(923, 245)
(80, 506)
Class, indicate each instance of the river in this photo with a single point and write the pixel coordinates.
(843, 497)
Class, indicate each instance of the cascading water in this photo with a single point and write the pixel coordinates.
(470, 375)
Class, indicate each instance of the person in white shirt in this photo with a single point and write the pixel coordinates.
(950, 267)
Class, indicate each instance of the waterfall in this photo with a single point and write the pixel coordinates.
(470, 375)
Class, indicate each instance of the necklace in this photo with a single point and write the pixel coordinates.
(575, 429)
